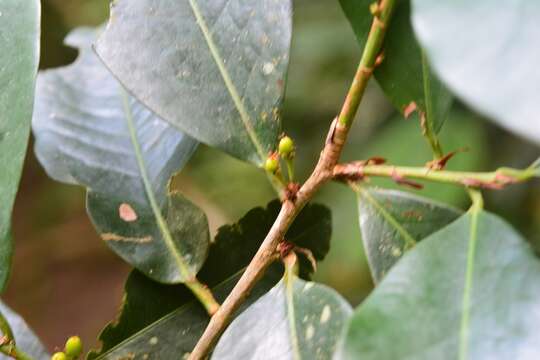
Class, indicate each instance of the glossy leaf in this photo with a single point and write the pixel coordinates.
(214, 69)
(164, 311)
(302, 320)
(487, 55)
(404, 74)
(469, 291)
(19, 57)
(90, 132)
(392, 222)
(25, 338)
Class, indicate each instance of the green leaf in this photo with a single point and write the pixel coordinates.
(214, 69)
(151, 309)
(25, 338)
(301, 320)
(404, 74)
(392, 222)
(19, 57)
(487, 55)
(469, 291)
(90, 132)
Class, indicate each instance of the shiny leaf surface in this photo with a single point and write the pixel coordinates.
(214, 69)
(302, 320)
(90, 132)
(487, 55)
(25, 338)
(469, 291)
(392, 222)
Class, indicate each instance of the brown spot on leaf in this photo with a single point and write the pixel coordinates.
(127, 213)
(116, 237)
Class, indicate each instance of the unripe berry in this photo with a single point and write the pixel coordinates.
(286, 146)
(59, 356)
(74, 347)
(272, 164)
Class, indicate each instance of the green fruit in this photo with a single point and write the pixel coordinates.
(59, 356)
(271, 164)
(74, 347)
(286, 146)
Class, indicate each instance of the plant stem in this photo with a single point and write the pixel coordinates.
(335, 140)
(493, 180)
(372, 50)
(427, 120)
(12, 351)
(290, 169)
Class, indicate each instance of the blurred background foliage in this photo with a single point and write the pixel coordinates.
(65, 281)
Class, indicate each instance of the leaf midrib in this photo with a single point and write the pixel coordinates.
(161, 223)
(409, 240)
(214, 51)
(467, 290)
(289, 295)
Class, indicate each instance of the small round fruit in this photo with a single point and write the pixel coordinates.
(59, 356)
(286, 146)
(272, 164)
(74, 347)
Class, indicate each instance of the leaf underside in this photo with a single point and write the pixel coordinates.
(25, 338)
(392, 222)
(90, 132)
(302, 320)
(469, 291)
(214, 69)
(469, 43)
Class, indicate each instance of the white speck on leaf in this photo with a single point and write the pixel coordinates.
(326, 314)
(268, 68)
(310, 331)
(153, 340)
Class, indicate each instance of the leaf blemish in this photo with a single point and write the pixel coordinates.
(153, 340)
(310, 331)
(326, 314)
(126, 213)
(268, 68)
(115, 237)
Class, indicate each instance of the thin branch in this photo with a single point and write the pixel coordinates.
(292, 206)
(497, 179)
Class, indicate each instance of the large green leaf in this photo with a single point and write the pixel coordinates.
(214, 69)
(295, 320)
(392, 222)
(164, 311)
(19, 57)
(404, 74)
(469, 291)
(24, 337)
(488, 55)
(90, 132)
